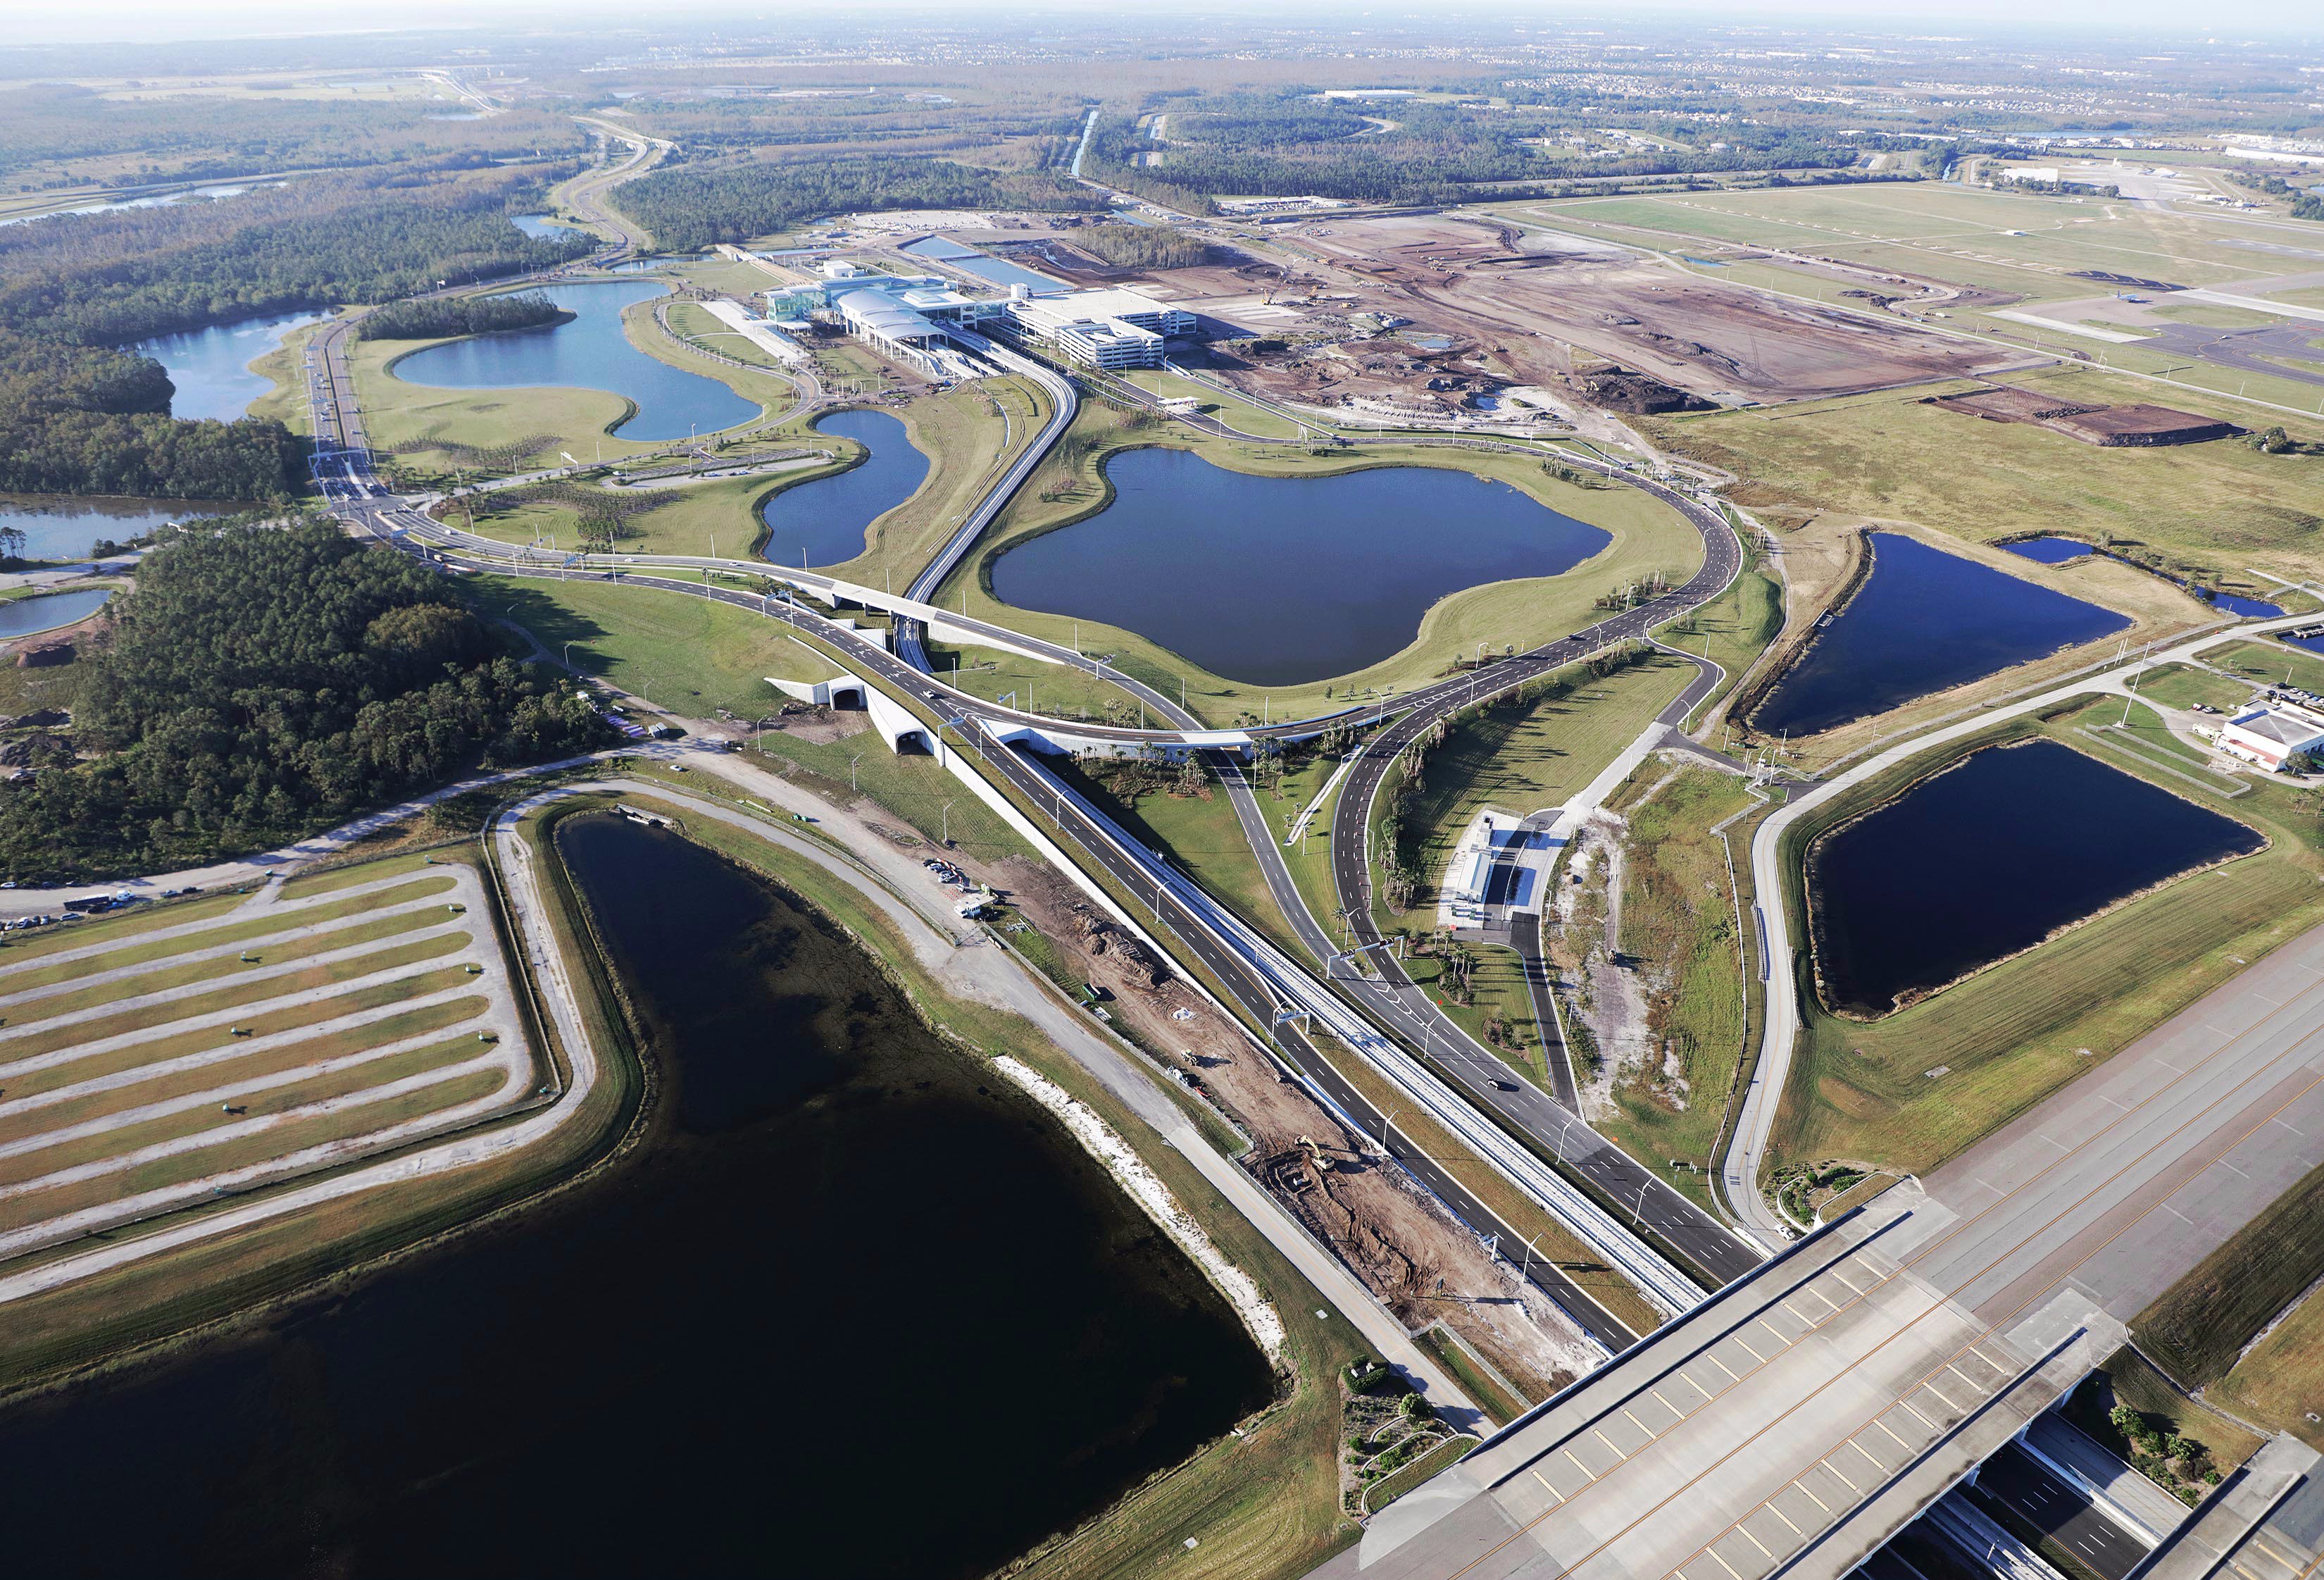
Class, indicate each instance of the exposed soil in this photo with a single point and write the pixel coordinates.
(1420, 1261)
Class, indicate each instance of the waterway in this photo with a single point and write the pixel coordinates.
(589, 351)
(829, 519)
(1281, 581)
(1987, 858)
(65, 526)
(1923, 621)
(969, 261)
(539, 227)
(2066, 551)
(852, 1307)
(24, 617)
(211, 368)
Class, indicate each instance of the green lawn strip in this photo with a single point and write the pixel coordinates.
(2127, 1378)
(1058, 690)
(2184, 686)
(692, 655)
(694, 322)
(2195, 1329)
(1497, 992)
(2222, 506)
(1406, 1477)
(2011, 1035)
(223, 965)
(1648, 538)
(1495, 1400)
(17, 1123)
(1551, 1239)
(296, 1135)
(773, 392)
(2269, 663)
(915, 788)
(1200, 833)
(194, 1121)
(305, 885)
(1524, 758)
(2280, 1383)
(1213, 402)
(262, 924)
(254, 990)
(19, 948)
(1679, 922)
(1264, 1504)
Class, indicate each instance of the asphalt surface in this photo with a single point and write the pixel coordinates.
(2015, 1480)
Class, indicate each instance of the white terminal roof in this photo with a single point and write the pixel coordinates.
(878, 310)
(2287, 727)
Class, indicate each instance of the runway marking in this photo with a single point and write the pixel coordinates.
(1884, 1427)
(1601, 1437)
(1754, 1540)
(1545, 1482)
(1786, 1519)
(2278, 1119)
(1906, 1405)
(1810, 1493)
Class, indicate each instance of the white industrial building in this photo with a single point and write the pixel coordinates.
(1099, 329)
(2268, 735)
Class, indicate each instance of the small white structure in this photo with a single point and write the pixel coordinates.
(2268, 735)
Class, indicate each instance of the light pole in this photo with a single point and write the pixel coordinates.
(1387, 1120)
(569, 654)
(852, 761)
(944, 825)
(1638, 1213)
(1527, 1266)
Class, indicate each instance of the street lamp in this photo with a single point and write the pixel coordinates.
(852, 761)
(944, 825)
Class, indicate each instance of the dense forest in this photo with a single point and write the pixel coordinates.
(436, 318)
(685, 208)
(1142, 246)
(261, 685)
(77, 416)
(1413, 150)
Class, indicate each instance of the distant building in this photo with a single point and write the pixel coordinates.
(1097, 328)
(2268, 735)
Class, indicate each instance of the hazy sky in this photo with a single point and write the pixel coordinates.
(151, 21)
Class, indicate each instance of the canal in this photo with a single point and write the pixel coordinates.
(854, 1307)
(1923, 621)
(1988, 858)
(827, 521)
(1280, 581)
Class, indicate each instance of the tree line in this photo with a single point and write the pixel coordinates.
(261, 685)
(689, 208)
(441, 317)
(1142, 246)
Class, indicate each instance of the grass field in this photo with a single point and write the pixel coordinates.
(2220, 506)
(2269, 663)
(156, 1063)
(1239, 415)
(1648, 538)
(2011, 1035)
(691, 655)
(2184, 686)
(1052, 688)
(1679, 918)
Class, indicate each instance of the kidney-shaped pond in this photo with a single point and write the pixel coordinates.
(846, 1260)
(588, 351)
(1278, 581)
(1987, 859)
(828, 520)
(1923, 621)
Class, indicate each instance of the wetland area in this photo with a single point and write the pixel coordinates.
(1281, 581)
(1987, 858)
(847, 1271)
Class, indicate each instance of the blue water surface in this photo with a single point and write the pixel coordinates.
(211, 368)
(1278, 581)
(970, 261)
(829, 519)
(2049, 550)
(589, 351)
(1923, 620)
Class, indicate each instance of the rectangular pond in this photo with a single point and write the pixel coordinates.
(969, 261)
(1923, 621)
(1987, 858)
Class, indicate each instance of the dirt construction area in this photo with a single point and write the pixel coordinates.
(1422, 1262)
(1530, 299)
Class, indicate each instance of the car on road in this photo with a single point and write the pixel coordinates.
(1505, 1085)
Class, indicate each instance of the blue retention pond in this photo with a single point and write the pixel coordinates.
(828, 520)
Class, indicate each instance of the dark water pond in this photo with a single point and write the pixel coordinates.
(211, 368)
(2064, 551)
(24, 617)
(587, 352)
(829, 519)
(64, 526)
(1923, 621)
(1987, 858)
(855, 1309)
(1278, 581)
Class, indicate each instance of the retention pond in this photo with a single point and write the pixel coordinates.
(211, 368)
(827, 521)
(1987, 859)
(1280, 581)
(854, 1307)
(1923, 621)
(589, 351)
